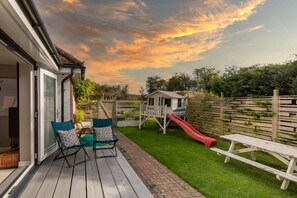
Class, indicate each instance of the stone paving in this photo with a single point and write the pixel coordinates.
(158, 178)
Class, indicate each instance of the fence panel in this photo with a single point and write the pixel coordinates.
(127, 110)
(288, 120)
(270, 118)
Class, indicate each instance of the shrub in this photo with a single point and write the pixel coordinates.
(79, 116)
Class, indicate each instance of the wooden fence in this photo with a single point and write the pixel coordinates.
(117, 110)
(127, 110)
(270, 118)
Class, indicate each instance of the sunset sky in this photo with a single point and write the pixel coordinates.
(126, 41)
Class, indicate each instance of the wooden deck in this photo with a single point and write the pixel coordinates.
(98, 177)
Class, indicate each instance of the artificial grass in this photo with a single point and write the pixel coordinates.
(204, 169)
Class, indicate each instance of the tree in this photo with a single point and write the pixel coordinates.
(230, 70)
(259, 81)
(84, 90)
(123, 93)
(204, 78)
(180, 82)
(141, 91)
(155, 83)
(115, 92)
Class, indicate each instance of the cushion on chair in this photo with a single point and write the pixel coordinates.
(103, 133)
(69, 138)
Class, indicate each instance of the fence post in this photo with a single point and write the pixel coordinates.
(114, 112)
(164, 120)
(222, 112)
(140, 116)
(275, 112)
(98, 108)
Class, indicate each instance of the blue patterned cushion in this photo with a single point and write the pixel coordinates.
(103, 133)
(69, 138)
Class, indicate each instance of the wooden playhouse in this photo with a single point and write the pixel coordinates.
(161, 103)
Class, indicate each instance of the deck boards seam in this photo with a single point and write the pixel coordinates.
(55, 165)
(58, 177)
(112, 175)
(127, 177)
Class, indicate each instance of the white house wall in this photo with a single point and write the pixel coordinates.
(26, 104)
(67, 100)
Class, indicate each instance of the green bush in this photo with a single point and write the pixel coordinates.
(79, 116)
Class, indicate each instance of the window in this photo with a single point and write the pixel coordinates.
(151, 101)
(179, 102)
(168, 102)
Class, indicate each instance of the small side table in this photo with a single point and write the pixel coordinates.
(86, 128)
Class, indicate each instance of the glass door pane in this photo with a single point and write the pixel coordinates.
(49, 94)
(47, 113)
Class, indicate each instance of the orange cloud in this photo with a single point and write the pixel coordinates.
(71, 1)
(126, 35)
(251, 29)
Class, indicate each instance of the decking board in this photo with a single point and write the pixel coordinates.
(137, 184)
(48, 186)
(123, 184)
(78, 187)
(108, 184)
(65, 179)
(98, 177)
(94, 186)
(34, 186)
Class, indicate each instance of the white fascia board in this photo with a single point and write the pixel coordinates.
(32, 32)
(64, 70)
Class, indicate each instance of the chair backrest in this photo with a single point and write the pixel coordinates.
(102, 122)
(62, 126)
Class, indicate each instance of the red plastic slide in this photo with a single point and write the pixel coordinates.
(192, 132)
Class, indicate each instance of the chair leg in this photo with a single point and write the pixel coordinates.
(85, 152)
(63, 156)
(57, 155)
(69, 165)
(115, 149)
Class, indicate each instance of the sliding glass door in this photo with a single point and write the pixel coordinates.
(48, 112)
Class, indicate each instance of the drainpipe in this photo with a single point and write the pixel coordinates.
(62, 93)
(83, 73)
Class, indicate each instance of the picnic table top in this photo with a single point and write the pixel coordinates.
(265, 145)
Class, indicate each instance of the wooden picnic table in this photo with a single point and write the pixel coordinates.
(285, 153)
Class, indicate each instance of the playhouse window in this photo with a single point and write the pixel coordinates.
(179, 103)
(151, 101)
(168, 102)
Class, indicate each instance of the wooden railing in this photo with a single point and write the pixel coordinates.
(156, 111)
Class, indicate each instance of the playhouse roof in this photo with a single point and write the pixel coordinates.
(170, 94)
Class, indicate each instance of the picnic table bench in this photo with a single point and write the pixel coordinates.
(285, 153)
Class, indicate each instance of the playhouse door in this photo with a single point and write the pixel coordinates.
(47, 113)
(161, 101)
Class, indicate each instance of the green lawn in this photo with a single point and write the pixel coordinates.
(204, 169)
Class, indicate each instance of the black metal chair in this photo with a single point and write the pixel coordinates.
(109, 142)
(66, 126)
